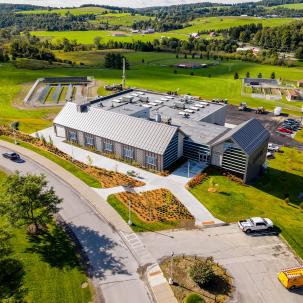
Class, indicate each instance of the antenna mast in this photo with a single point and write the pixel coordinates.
(124, 74)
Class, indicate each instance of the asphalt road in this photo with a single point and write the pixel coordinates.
(253, 261)
(114, 267)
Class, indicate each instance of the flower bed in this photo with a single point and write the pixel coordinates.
(106, 178)
(219, 289)
(156, 206)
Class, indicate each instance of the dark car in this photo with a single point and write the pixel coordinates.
(12, 156)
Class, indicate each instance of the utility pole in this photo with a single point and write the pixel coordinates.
(123, 74)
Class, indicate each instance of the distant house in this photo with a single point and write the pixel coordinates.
(148, 31)
(191, 65)
(194, 35)
(135, 31)
(294, 95)
(254, 50)
(300, 83)
(119, 34)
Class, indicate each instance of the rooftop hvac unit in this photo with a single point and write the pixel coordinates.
(146, 105)
(179, 104)
(117, 100)
(166, 120)
(199, 105)
(158, 118)
(204, 103)
(158, 101)
(189, 111)
(164, 99)
(127, 99)
(152, 103)
(140, 93)
(144, 98)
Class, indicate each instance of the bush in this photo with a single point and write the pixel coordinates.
(196, 180)
(193, 298)
(202, 273)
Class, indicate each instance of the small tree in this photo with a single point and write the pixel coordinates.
(236, 76)
(201, 272)
(248, 75)
(260, 75)
(185, 56)
(273, 75)
(89, 160)
(5, 235)
(28, 200)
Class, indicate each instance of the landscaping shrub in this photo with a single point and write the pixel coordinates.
(196, 180)
(202, 273)
(193, 298)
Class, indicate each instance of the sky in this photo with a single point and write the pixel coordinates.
(123, 3)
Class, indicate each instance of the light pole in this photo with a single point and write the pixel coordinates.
(14, 132)
(171, 280)
(129, 219)
(188, 166)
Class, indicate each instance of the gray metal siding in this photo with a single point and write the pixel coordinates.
(171, 153)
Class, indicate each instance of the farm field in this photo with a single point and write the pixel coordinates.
(63, 11)
(290, 6)
(219, 23)
(48, 270)
(201, 24)
(156, 73)
(274, 196)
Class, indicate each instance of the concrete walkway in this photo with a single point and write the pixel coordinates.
(175, 182)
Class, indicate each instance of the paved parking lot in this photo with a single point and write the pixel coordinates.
(253, 261)
(269, 121)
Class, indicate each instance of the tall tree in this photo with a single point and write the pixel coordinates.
(28, 200)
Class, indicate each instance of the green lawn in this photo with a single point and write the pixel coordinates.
(83, 176)
(265, 198)
(138, 225)
(46, 269)
(290, 6)
(219, 23)
(156, 74)
(63, 11)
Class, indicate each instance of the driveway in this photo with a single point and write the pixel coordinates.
(253, 261)
(114, 266)
(175, 182)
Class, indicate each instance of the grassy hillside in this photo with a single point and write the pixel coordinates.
(156, 73)
(62, 11)
(290, 6)
(48, 270)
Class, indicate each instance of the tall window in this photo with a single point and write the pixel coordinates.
(151, 160)
(128, 153)
(72, 135)
(89, 140)
(108, 146)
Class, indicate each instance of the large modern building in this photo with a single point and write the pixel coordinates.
(155, 130)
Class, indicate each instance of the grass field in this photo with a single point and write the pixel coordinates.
(218, 23)
(290, 6)
(156, 73)
(63, 11)
(201, 24)
(265, 198)
(48, 269)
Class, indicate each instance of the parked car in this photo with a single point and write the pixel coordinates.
(12, 156)
(255, 224)
(284, 130)
(270, 155)
(273, 147)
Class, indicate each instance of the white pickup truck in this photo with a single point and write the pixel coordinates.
(255, 224)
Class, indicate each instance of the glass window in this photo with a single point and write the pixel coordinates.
(72, 136)
(89, 140)
(151, 160)
(128, 153)
(108, 146)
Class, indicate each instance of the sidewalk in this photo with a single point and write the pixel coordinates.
(175, 182)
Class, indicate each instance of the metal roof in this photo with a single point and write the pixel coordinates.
(249, 135)
(136, 132)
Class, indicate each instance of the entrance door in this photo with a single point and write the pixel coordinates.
(203, 158)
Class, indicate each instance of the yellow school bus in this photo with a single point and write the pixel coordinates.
(291, 277)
